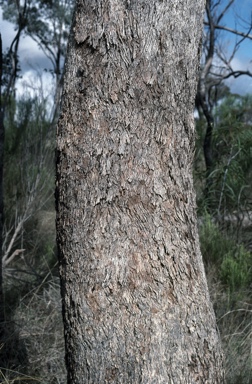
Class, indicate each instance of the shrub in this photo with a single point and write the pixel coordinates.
(214, 244)
(236, 268)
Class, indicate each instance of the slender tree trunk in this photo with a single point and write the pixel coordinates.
(5, 93)
(2, 317)
(136, 307)
(202, 99)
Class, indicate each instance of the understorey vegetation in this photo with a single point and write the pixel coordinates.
(32, 339)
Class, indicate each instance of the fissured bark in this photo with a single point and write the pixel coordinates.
(135, 301)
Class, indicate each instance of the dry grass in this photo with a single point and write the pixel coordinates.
(38, 323)
(234, 317)
(37, 342)
(236, 332)
(41, 329)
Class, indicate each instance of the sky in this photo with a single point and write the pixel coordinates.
(33, 60)
(243, 58)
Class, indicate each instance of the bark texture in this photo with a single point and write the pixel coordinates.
(135, 301)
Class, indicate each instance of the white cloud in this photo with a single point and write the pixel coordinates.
(241, 84)
(33, 79)
(29, 53)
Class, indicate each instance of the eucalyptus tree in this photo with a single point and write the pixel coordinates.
(136, 307)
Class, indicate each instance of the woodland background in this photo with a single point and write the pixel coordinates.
(32, 331)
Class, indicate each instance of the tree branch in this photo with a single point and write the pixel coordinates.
(224, 11)
(234, 31)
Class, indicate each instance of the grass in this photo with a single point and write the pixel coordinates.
(228, 267)
(38, 323)
(35, 331)
(18, 377)
(234, 317)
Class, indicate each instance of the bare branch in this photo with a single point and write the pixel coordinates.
(224, 11)
(12, 257)
(14, 236)
(236, 74)
(234, 31)
(210, 53)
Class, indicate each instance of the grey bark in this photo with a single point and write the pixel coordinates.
(136, 307)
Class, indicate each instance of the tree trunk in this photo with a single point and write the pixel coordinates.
(136, 307)
(2, 108)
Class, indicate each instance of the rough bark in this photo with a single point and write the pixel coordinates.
(136, 307)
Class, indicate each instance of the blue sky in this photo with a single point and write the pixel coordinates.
(243, 58)
(33, 59)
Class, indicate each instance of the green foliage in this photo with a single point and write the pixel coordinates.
(233, 312)
(46, 22)
(29, 185)
(233, 261)
(33, 350)
(229, 180)
(236, 268)
(214, 244)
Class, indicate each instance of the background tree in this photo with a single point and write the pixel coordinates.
(216, 67)
(231, 143)
(1, 190)
(33, 348)
(8, 74)
(135, 300)
(27, 156)
(47, 23)
(222, 175)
